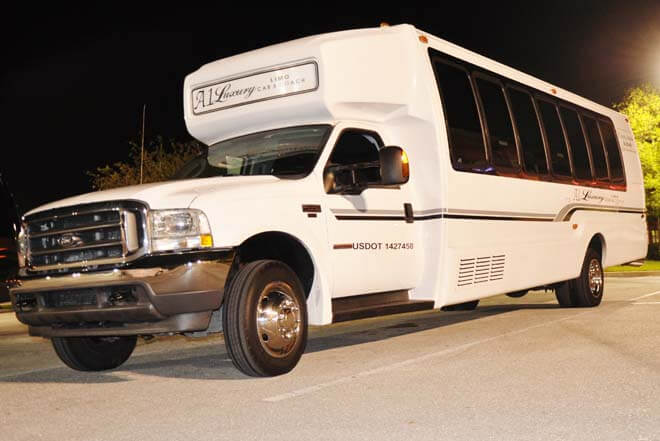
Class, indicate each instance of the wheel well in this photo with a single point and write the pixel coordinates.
(597, 243)
(278, 246)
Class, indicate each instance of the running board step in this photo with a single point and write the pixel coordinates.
(373, 305)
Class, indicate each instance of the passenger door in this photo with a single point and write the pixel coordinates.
(372, 246)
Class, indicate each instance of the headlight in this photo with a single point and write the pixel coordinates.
(179, 230)
(21, 248)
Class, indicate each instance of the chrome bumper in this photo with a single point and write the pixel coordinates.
(177, 294)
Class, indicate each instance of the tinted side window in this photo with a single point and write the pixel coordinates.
(613, 154)
(558, 152)
(578, 144)
(529, 132)
(500, 131)
(355, 156)
(596, 144)
(465, 138)
(354, 146)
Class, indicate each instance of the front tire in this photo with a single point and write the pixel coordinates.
(265, 319)
(94, 353)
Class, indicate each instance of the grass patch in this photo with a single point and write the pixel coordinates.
(649, 265)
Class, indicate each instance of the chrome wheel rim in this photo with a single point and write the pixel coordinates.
(278, 320)
(595, 277)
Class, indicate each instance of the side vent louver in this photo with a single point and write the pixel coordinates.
(474, 270)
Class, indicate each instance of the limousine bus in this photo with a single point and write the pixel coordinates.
(350, 174)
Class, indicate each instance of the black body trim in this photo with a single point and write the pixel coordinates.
(485, 217)
(311, 208)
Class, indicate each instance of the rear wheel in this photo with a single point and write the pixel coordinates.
(94, 353)
(563, 294)
(517, 294)
(467, 306)
(265, 319)
(587, 289)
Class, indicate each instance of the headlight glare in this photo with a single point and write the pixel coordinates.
(21, 248)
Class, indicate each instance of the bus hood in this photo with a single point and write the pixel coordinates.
(180, 194)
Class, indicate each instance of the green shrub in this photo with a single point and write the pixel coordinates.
(161, 160)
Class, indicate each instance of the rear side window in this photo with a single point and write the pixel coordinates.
(613, 153)
(500, 131)
(558, 153)
(596, 144)
(575, 136)
(529, 132)
(465, 138)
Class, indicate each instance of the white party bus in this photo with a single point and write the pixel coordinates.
(350, 174)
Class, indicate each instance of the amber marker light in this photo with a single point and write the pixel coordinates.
(423, 39)
(206, 241)
(405, 167)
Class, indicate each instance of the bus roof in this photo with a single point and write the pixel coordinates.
(372, 74)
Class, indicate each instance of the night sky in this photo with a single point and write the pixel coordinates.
(73, 83)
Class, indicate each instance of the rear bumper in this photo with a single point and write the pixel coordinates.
(163, 294)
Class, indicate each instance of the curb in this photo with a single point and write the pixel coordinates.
(632, 273)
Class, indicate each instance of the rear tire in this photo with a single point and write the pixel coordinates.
(265, 319)
(94, 353)
(563, 294)
(517, 294)
(467, 306)
(587, 289)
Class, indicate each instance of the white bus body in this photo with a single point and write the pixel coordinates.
(453, 233)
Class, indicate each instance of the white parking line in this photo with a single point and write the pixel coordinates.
(646, 303)
(400, 364)
(645, 296)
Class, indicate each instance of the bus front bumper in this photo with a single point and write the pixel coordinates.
(176, 294)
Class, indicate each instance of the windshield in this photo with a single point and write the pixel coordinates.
(291, 152)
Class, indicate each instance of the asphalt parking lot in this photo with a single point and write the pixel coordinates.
(513, 369)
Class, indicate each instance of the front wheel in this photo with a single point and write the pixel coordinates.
(94, 353)
(265, 319)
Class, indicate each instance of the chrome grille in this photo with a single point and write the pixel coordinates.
(84, 236)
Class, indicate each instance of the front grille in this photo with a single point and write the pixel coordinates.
(70, 298)
(84, 236)
(101, 297)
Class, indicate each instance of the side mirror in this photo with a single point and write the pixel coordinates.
(394, 167)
